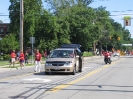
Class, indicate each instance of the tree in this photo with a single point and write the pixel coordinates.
(8, 43)
(46, 31)
(1, 21)
(32, 11)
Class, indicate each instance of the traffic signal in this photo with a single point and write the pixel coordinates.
(127, 22)
(118, 38)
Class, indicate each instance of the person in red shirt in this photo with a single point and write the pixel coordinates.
(38, 58)
(107, 55)
(45, 54)
(21, 59)
(12, 59)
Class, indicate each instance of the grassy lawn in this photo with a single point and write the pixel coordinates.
(5, 64)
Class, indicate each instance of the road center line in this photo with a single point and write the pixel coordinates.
(57, 88)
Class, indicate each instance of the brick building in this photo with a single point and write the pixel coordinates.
(3, 29)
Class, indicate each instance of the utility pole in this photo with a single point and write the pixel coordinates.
(21, 25)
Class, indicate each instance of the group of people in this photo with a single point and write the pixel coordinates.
(23, 59)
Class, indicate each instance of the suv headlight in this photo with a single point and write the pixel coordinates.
(48, 64)
(67, 64)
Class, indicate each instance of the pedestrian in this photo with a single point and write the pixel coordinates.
(38, 58)
(45, 54)
(21, 59)
(12, 58)
(26, 57)
(17, 56)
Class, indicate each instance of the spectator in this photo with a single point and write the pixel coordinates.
(38, 58)
(12, 59)
(26, 57)
(21, 59)
(45, 54)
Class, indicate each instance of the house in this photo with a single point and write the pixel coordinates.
(3, 29)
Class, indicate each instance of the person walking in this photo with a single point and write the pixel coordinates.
(21, 59)
(38, 58)
(12, 59)
(45, 54)
(26, 57)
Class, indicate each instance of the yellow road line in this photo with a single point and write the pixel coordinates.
(57, 88)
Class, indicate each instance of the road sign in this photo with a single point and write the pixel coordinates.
(126, 44)
(32, 40)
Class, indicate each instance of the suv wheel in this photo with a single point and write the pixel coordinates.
(80, 69)
(74, 71)
(47, 73)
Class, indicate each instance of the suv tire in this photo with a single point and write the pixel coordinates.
(74, 71)
(47, 73)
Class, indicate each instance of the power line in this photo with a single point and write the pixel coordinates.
(122, 11)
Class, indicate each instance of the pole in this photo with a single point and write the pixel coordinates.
(94, 48)
(21, 25)
(32, 53)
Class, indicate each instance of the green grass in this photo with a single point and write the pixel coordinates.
(5, 64)
(87, 54)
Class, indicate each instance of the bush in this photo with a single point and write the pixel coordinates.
(6, 57)
(87, 54)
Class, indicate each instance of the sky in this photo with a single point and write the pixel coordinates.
(119, 8)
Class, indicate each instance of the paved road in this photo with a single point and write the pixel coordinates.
(24, 84)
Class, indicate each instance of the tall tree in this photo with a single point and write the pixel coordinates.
(32, 10)
(8, 43)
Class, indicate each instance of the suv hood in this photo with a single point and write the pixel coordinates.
(59, 59)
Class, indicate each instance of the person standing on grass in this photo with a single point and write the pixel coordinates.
(26, 57)
(38, 58)
(45, 54)
(12, 59)
(21, 59)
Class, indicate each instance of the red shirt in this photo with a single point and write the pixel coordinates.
(13, 55)
(38, 57)
(21, 56)
(107, 54)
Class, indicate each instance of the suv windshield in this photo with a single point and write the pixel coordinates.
(62, 54)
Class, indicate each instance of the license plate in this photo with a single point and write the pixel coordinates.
(57, 68)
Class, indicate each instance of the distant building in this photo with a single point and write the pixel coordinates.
(4, 29)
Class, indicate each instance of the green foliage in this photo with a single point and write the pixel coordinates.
(8, 43)
(1, 21)
(87, 54)
(6, 57)
(68, 21)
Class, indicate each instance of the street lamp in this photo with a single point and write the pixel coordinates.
(32, 41)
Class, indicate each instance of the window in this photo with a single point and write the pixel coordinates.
(1, 30)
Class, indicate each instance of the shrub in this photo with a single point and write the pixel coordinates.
(6, 57)
(87, 54)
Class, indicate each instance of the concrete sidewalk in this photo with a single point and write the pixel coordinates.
(6, 68)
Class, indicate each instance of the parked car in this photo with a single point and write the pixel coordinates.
(66, 59)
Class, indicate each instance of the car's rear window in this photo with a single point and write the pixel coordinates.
(62, 54)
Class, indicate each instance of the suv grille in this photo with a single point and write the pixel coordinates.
(57, 63)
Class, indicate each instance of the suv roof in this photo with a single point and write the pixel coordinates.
(71, 46)
(64, 49)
